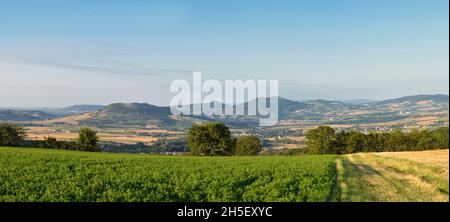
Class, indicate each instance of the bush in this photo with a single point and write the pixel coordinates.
(169, 145)
(247, 146)
(52, 143)
(285, 152)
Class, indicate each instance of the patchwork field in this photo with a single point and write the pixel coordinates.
(30, 174)
(124, 136)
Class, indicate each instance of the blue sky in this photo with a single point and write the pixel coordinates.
(58, 53)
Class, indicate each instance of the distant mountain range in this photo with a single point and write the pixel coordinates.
(24, 115)
(129, 114)
(308, 112)
(439, 98)
(34, 114)
(76, 109)
(359, 101)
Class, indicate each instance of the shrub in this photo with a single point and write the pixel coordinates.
(247, 146)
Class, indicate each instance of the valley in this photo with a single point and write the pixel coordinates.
(133, 123)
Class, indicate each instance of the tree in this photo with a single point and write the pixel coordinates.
(247, 146)
(11, 135)
(322, 141)
(355, 142)
(440, 136)
(210, 139)
(374, 142)
(396, 141)
(87, 140)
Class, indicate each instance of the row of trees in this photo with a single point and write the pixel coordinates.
(215, 139)
(324, 140)
(13, 135)
(169, 145)
(162, 145)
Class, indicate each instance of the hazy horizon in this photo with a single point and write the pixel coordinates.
(301, 100)
(61, 53)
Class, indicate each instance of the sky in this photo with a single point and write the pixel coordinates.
(59, 53)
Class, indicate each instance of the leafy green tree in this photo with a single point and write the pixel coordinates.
(355, 142)
(322, 140)
(396, 141)
(11, 135)
(341, 142)
(210, 139)
(87, 140)
(247, 146)
(440, 136)
(373, 142)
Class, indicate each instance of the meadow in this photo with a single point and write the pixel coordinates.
(30, 174)
(394, 176)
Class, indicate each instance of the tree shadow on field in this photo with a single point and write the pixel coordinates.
(352, 184)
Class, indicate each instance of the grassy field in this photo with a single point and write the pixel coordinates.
(394, 176)
(29, 174)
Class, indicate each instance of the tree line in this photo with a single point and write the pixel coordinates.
(215, 139)
(325, 140)
(13, 135)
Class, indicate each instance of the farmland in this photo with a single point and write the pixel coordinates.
(30, 174)
(124, 136)
(394, 176)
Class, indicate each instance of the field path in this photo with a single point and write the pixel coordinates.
(411, 176)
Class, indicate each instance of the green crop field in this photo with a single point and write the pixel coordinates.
(28, 174)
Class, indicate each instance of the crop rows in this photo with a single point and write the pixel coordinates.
(28, 174)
